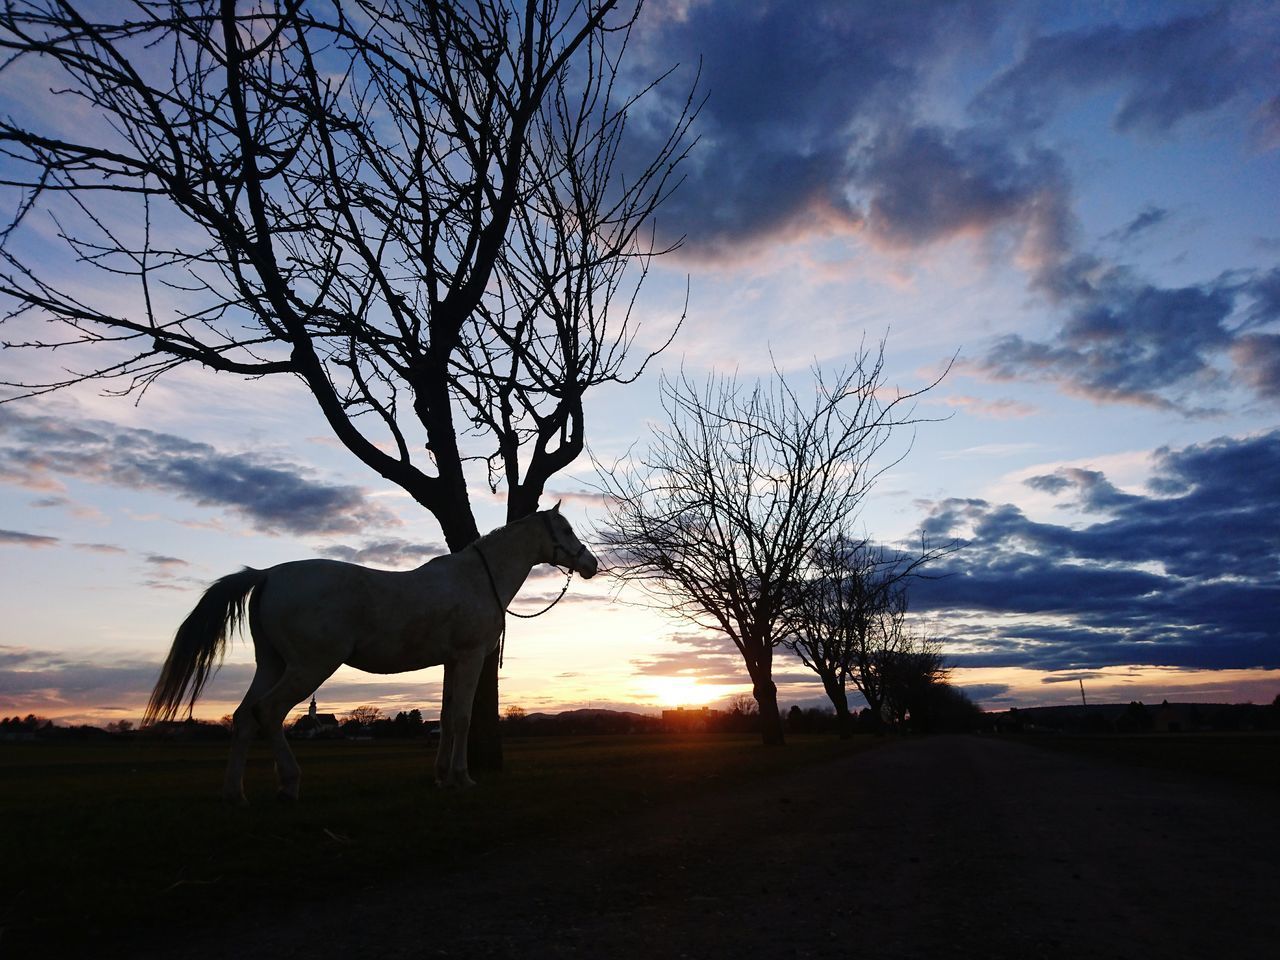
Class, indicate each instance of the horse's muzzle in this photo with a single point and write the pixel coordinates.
(586, 566)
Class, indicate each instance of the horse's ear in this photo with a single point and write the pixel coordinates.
(556, 508)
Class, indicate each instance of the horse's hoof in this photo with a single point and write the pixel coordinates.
(284, 796)
(455, 783)
(235, 800)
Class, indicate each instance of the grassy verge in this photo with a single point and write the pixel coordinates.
(1246, 758)
(106, 840)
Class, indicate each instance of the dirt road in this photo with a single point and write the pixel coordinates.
(942, 847)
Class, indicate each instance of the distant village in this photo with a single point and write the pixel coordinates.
(371, 723)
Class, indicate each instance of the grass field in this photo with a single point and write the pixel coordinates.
(1247, 758)
(105, 840)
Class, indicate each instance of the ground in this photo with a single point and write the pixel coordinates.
(945, 846)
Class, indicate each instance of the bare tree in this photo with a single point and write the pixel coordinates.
(418, 210)
(910, 668)
(717, 519)
(848, 621)
(365, 715)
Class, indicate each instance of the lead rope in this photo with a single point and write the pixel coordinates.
(493, 585)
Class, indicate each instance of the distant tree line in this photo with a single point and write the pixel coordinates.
(1137, 717)
(371, 722)
(34, 727)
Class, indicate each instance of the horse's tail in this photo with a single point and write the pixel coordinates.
(199, 644)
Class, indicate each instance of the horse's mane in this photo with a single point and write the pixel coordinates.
(493, 534)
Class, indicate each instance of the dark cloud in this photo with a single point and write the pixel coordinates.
(1071, 677)
(166, 563)
(816, 123)
(925, 183)
(1185, 575)
(1125, 340)
(986, 693)
(1257, 359)
(1163, 72)
(18, 539)
(1263, 293)
(41, 682)
(791, 96)
(814, 120)
(47, 683)
(1097, 493)
(1148, 218)
(272, 494)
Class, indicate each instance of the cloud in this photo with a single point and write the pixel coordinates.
(58, 502)
(790, 97)
(981, 693)
(166, 563)
(1183, 575)
(1000, 409)
(1096, 492)
(100, 548)
(1163, 72)
(37, 681)
(578, 498)
(272, 494)
(710, 657)
(1257, 359)
(34, 681)
(816, 123)
(18, 539)
(1148, 218)
(392, 552)
(824, 142)
(925, 183)
(1125, 340)
(1071, 677)
(1265, 128)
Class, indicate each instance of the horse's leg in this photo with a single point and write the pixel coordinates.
(461, 679)
(444, 751)
(244, 726)
(270, 712)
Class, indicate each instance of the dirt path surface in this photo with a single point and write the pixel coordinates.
(943, 847)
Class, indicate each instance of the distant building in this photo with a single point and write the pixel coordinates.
(315, 725)
(681, 720)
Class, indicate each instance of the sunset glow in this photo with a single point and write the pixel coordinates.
(677, 692)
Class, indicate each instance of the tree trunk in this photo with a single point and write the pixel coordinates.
(844, 723)
(877, 715)
(484, 742)
(766, 694)
(834, 688)
(484, 746)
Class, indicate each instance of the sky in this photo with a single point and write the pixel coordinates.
(1075, 205)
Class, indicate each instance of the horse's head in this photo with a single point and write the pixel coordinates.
(566, 550)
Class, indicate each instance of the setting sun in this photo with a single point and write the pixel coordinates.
(679, 691)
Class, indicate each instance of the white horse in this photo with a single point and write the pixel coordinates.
(309, 617)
